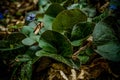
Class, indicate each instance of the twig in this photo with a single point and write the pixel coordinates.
(73, 75)
(38, 27)
(63, 75)
(103, 7)
(74, 56)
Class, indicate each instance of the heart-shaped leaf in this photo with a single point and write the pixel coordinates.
(66, 19)
(50, 14)
(81, 30)
(54, 9)
(58, 41)
(106, 38)
(103, 33)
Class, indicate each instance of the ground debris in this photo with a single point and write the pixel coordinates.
(14, 13)
(96, 69)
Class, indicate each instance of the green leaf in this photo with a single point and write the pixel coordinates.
(96, 19)
(31, 40)
(48, 20)
(33, 24)
(50, 14)
(89, 51)
(106, 38)
(47, 46)
(59, 41)
(27, 30)
(103, 33)
(57, 1)
(26, 71)
(81, 30)
(66, 19)
(54, 9)
(78, 42)
(16, 37)
(57, 57)
(43, 2)
(83, 59)
(12, 42)
(23, 58)
(34, 37)
(110, 51)
(28, 41)
(43, 29)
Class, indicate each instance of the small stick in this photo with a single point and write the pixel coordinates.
(74, 56)
(38, 27)
(74, 74)
(63, 75)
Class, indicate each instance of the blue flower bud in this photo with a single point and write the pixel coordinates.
(30, 17)
(1, 16)
(113, 7)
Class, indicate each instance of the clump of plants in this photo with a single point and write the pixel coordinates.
(60, 33)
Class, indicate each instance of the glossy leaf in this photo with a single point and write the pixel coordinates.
(58, 41)
(110, 51)
(48, 20)
(57, 57)
(54, 9)
(66, 19)
(103, 33)
(28, 41)
(31, 40)
(50, 14)
(105, 37)
(81, 30)
(47, 46)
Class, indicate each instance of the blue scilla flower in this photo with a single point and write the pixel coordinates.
(113, 7)
(30, 17)
(1, 16)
